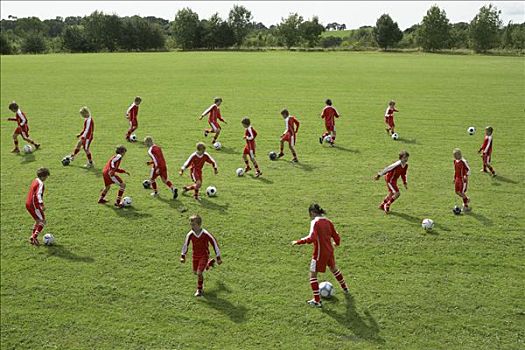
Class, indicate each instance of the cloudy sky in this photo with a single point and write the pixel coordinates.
(353, 13)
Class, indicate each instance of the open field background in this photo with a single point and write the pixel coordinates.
(114, 281)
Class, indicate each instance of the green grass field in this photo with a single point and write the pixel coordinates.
(337, 33)
(113, 280)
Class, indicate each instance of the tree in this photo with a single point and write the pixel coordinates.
(74, 39)
(5, 45)
(459, 35)
(434, 32)
(387, 32)
(34, 43)
(240, 20)
(311, 31)
(103, 31)
(185, 29)
(288, 29)
(484, 29)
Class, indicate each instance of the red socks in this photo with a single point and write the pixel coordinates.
(315, 288)
(37, 228)
(119, 195)
(88, 154)
(339, 277)
(154, 186)
(200, 282)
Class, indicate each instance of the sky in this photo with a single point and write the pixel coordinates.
(352, 13)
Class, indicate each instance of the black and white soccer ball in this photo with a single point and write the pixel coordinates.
(28, 149)
(127, 201)
(66, 161)
(211, 191)
(471, 130)
(146, 184)
(272, 155)
(456, 210)
(49, 239)
(395, 136)
(133, 137)
(326, 289)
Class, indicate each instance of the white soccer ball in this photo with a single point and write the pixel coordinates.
(28, 149)
(49, 239)
(427, 224)
(395, 136)
(326, 289)
(327, 139)
(471, 130)
(211, 191)
(133, 137)
(126, 201)
(239, 172)
(217, 145)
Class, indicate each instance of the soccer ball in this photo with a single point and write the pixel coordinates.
(211, 191)
(427, 224)
(28, 149)
(126, 201)
(326, 289)
(133, 137)
(456, 210)
(146, 184)
(471, 130)
(66, 160)
(239, 172)
(395, 136)
(49, 239)
(217, 145)
(272, 155)
(328, 139)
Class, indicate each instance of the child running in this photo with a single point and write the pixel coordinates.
(249, 150)
(392, 173)
(461, 174)
(110, 176)
(290, 133)
(322, 231)
(213, 112)
(486, 151)
(86, 137)
(35, 204)
(196, 162)
(132, 114)
(329, 114)
(159, 167)
(22, 128)
(389, 117)
(200, 239)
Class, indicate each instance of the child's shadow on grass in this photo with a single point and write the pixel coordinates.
(208, 204)
(362, 327)
(96, 171)
(504, 179)
(261, 179)
(481, 218)
(236, 313)
(27, 158)
(416, 220)
(173, 203)
(130, 213)
(64, 253)
(341, 148)
(228, 150)
(304, 166)
(409, 141)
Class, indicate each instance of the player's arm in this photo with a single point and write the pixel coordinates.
(186, 164)
(387, 169)
(184, 249)
(312, 236)
(11, 119)
(212, 161)
(215, 245)
(335, 235)
(219, 116)
(296, 123)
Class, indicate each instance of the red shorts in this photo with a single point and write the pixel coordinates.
(390, 121)
(249, 150)
(392, 187)
(214, 125)
(156, 172)
(288, 137)
(86, 143)
(36, 212)
(330, 127)
(486, 158)
(200, 263)
(460, 185)
(196, 175)
(320, 264)
(22, 130)
(112, 179)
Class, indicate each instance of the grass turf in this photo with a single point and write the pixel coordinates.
(113, 279)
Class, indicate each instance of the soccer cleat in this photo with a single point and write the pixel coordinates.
(34, 240)
(493, 174)
(280, 155)
(295, 160)
(258, 173)
(154, 194)
(467, 209)
(247, 169)
(71, 158)
(314, 303)
(386, 209)
(382, 206)
(198, 293)
(119, 205)
(88, 165)
(346, 291)
(37, 145)
(175, 192)
(332, 144)
(102, 201)
(321, 140)
(197, 198)
(185, 189)
(483, 171)
(15, 150)
(211, 264)
(205, 133)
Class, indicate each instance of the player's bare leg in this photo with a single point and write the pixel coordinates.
(281, 153)
(89, 163)
(339, 277)
(15, 141)
(292, 149)
(314, 284)
(103, 193)
(27, 139)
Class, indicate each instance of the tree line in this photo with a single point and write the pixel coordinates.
(100, 32)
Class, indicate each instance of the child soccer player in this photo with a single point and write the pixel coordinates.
(392, 173)
(195, 162)
(249, 150)
(131, 114)
(200, 239)
(389, 117)
(461, 174)
(486, 151)
(86, 137)
(322, 231)
(110, 176)
(329, 114)
(159, 167)
(213, 113)
(290, 133)
(22, 128)
(35, 204)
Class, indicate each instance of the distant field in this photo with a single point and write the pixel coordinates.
(337, 33)
(114, 281)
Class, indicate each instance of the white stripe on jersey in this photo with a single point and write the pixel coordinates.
(389, 168)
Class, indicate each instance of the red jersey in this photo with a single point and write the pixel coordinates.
(89, 127)
(292, 125)
(394, 171)
(132, 112)
(322, 231)
(200, 242)
(461, 168)
(196, 161)
(20, 118)
(155, 152)
(390, 111)
(35, 197)
(486, 147)
(250, 135)
(329, 114)
(213, 113)
(113, 164)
